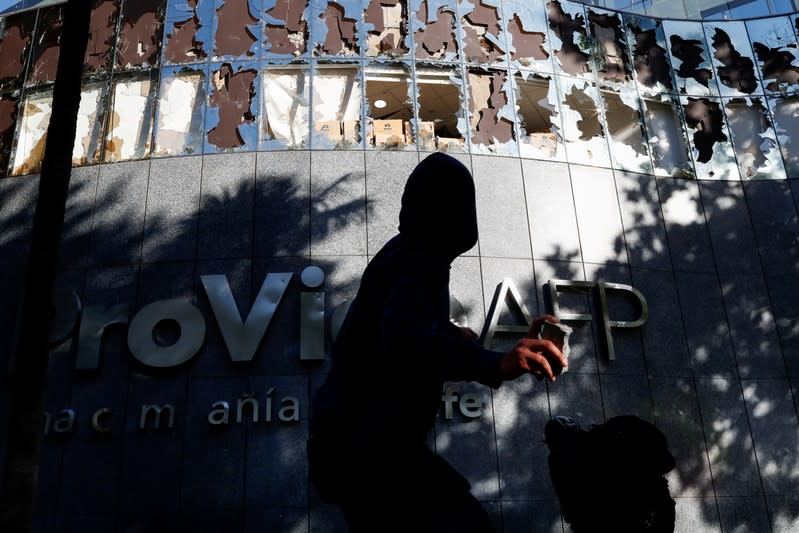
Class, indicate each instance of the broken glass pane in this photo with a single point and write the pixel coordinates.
(231, 119)
(389, 107)
(628, 145)
(235, 28)
(46, 45)
(15, 40)
(690, 58)
(441, 124)
(32, 134)
(433, 24)
(483, 42)
(668, 140)
(140, 30)
(650, 55)
(386, 25)
(710, 142)
(609, 46)
(285, 28)
(774, 44)
(181, 109)
(131, 118)
(753, 139)
(528, 39)
(285, 120)
(570, 42)
(491, 114)
(732, 58)
(582, 125)
(8, 119)
(539, 122)
(337, 103)
(187, 37)
(102, 33)
(89, 128)
(334, 30)
(785, 111)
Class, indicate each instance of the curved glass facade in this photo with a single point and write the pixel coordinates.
(558, 81)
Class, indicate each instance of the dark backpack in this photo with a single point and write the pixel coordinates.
(611, 477)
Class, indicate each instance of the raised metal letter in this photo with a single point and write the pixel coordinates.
(66, 309)
(607, 323)
(192, 333)
(491, 326)
(312, 316)
(93, 324)
(242, 338)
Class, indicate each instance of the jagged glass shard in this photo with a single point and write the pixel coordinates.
(440, 102)
(491, 113)
(285, 28)
(690, 58)
(16, 33)
(46, 46)
(528, 37)
(580, 113)
(32, 132)
(386, 25)
(235, 30)
(785, 111)
(709, 137)
(733, 60)
(754, 139)
(187, 36)
(609, 47)
(8, 120)
(434, 30)
(102, 36)
(141, 27)
(668, 140)
(231, 120)
(570, 43)
(775, 47)
(538, 118)
(131, 117)
(481, 31)
(334, 27)
(89, 131)
(650, 54)
(623, 118)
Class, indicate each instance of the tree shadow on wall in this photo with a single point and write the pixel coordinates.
(715, 367)
(130, 240)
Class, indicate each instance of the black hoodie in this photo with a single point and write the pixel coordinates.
(397, 345)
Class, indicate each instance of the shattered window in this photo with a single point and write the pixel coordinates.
(491, 115)
(32, 134)
(8, 119)
(102, 33)
(389, 107)
(668, 140)
(140, 28)
(528, 42)
(754, 139)
(710, 142)
(337, 103)
(690, 58)
(131, 118)
(609, 46)
(231, 122)
(732, 58)
(570, 41)
(582, 124)
(434, 29)
(46, 45)
(235, 29)
(386, 23)
(539, 123)
(15, 39)
(285, 28)
(481, 37)
(187, 36)
(775, 47)
(285, 109)
(628, 145)
(650, 55)
(181, 109)
(89, 130)
(440, 100)
(335, 30)
(785, 110)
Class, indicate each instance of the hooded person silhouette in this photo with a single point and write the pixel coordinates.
(395, 349)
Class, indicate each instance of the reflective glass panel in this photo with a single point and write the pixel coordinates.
(89, 131)
(491, 113)
(528, 38)
(785, 112)
(582, 123)
(628, 145)
(754, 139)
(433, 24)
(32, 132)
(441, 125)
(539, 123)
(181, 111)
(187, 36)
(690, 58)
(668, 140)
(337, 101)
(131, 118)
(386, 26)
(775, 47)
(710, 140)
(733, 60)
(285, 111)
(285, 28)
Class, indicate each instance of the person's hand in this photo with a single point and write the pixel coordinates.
(532, 355)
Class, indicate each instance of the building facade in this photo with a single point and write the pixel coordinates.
(224, 147)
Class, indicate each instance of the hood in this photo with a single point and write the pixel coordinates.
(438, 206)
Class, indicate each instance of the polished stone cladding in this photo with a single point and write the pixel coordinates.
(567, 188)
(716, 367)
